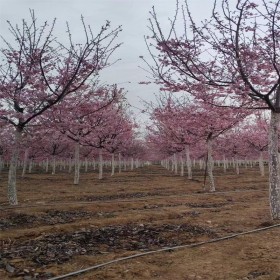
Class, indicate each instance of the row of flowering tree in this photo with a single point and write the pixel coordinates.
(183, 125)
(232, 57)
(180, 133)
(86, 120)
(112, 132)
(38, 72)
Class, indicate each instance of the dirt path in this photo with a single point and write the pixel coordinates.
(59, 227)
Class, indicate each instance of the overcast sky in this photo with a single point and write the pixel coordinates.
(131, 14)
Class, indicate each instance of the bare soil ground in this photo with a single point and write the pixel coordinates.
(59, 228)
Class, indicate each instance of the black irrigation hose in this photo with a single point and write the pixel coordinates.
(122, 200)
(75, 273)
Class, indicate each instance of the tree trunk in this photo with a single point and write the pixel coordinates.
(189, 163)
(86, 165)
(232, 163)
(30, 166)
(12, 189)
(113, 165)
(120, 163)
(131, 163)
(60, 165)
(47, 165)
(274, 172)
(200, 164)
(175, 164)
(77, 164)
(53, 165)
(182, 165)
(246, 163)
(210, 165)
(172, 165)
(168, 164)
(237, 166)
(70, 166)
(261, 165)
(100, 165)
(225, 164)
(125, 164)
(25, 160)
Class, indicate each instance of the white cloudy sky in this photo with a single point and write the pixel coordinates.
(131, 14)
